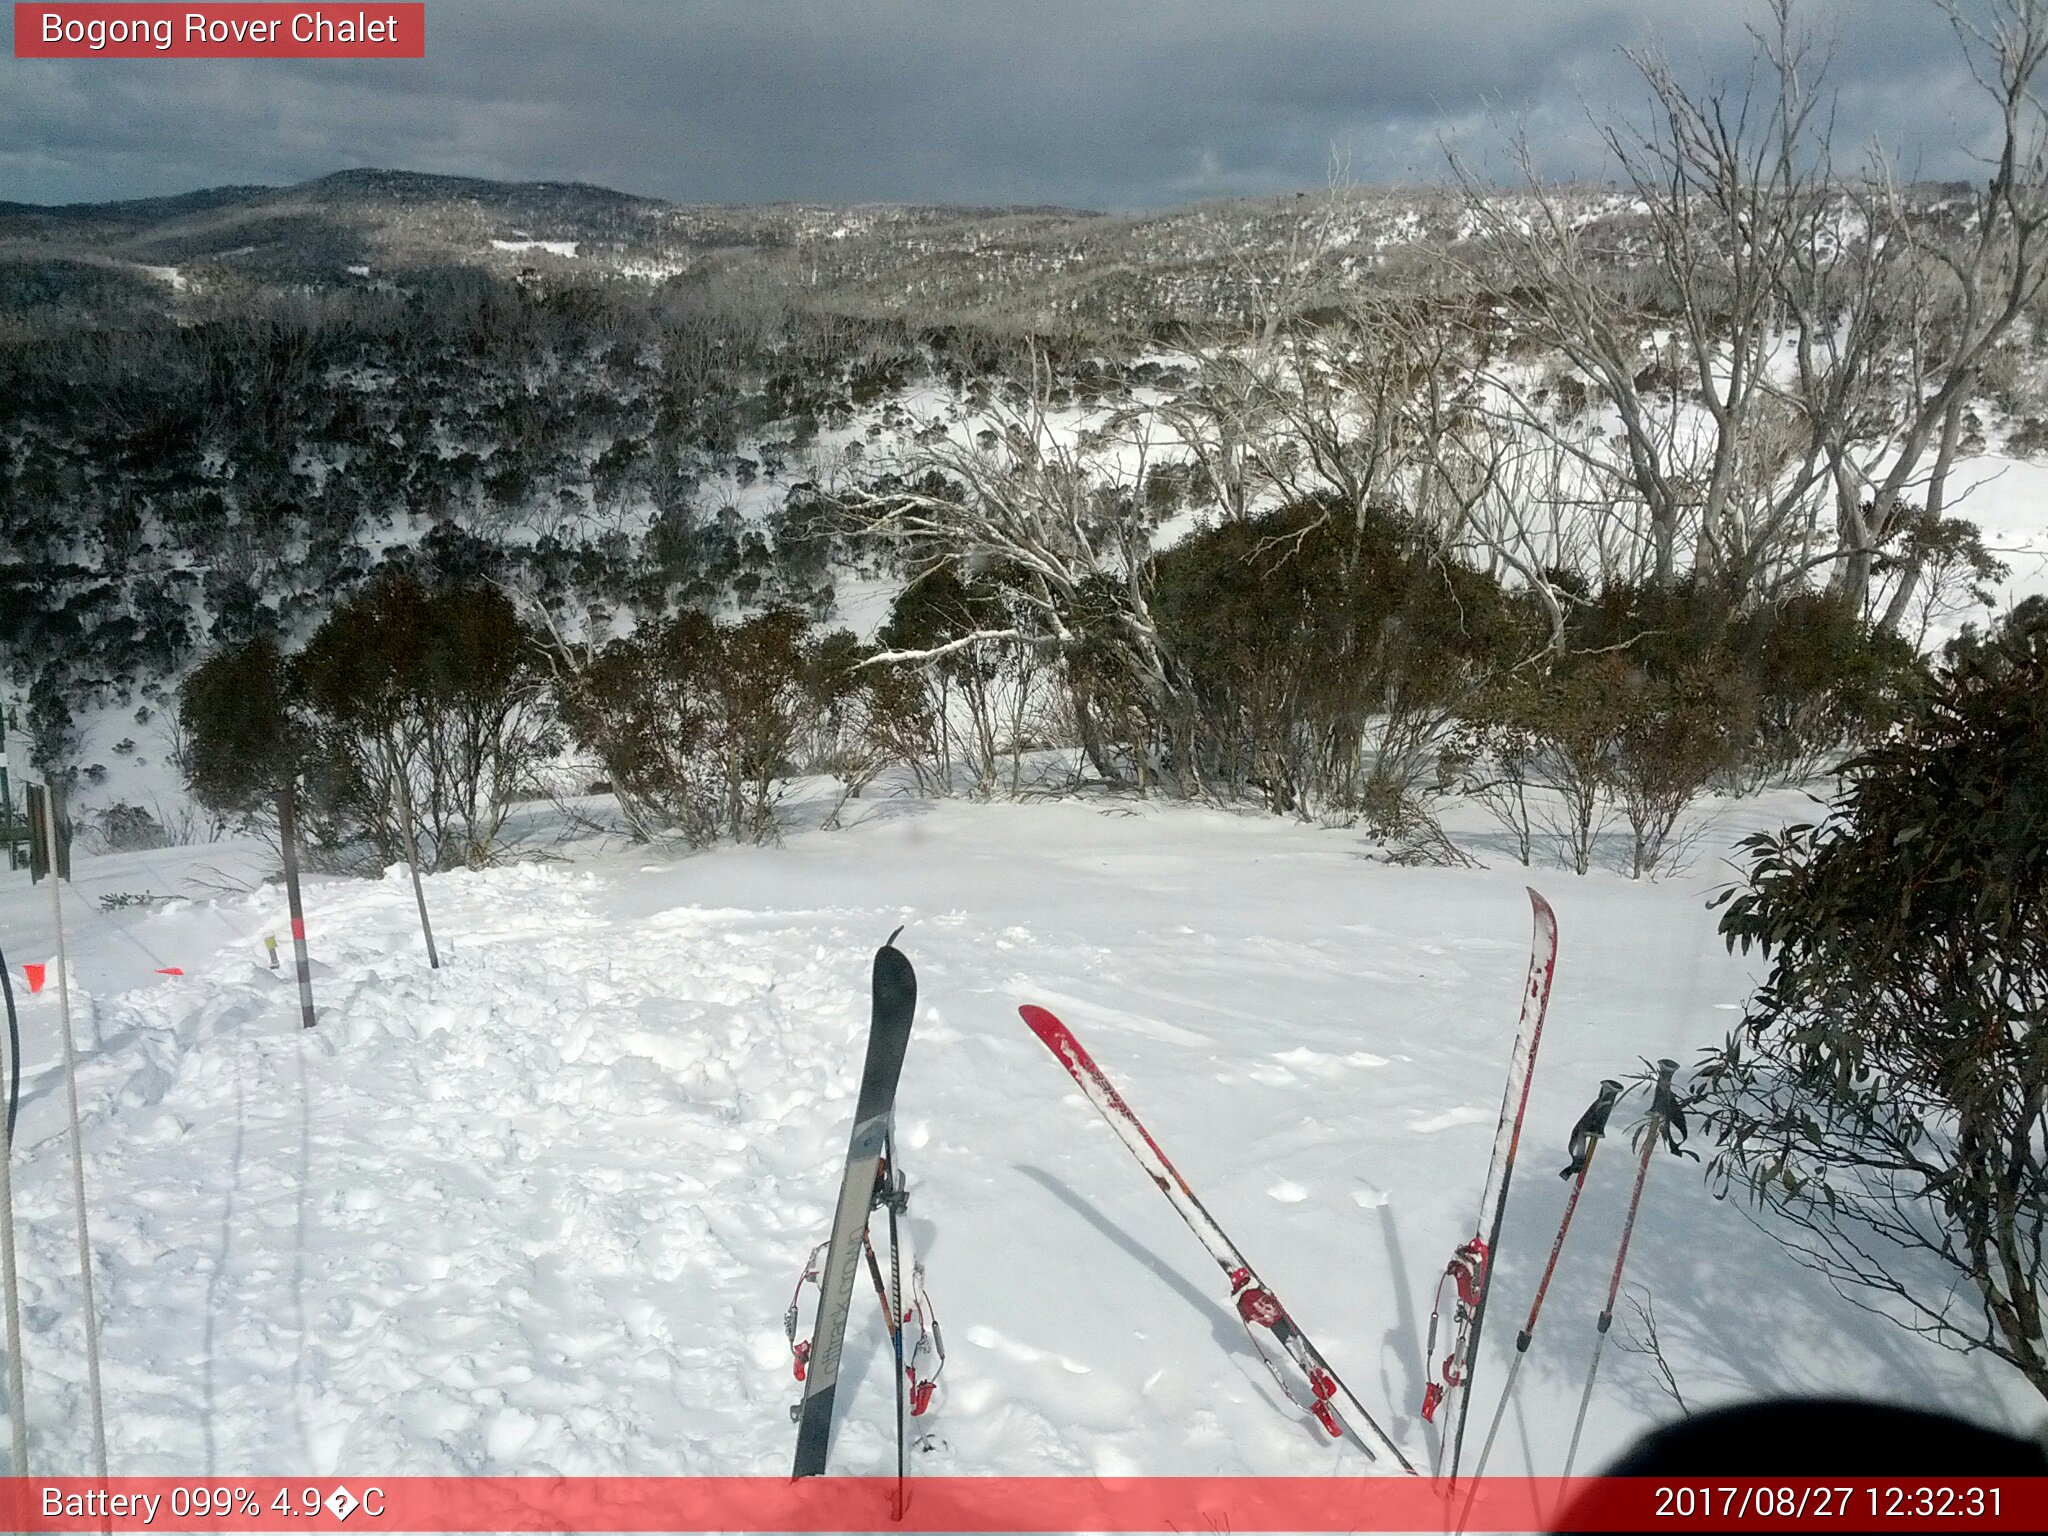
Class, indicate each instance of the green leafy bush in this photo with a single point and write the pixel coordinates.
(1885, 1092)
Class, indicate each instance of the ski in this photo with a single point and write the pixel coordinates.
(1256, 1304)
(1665, 1122)
(925, 1349)
(1471, 1267)
(895, 1000)
(1584, 1142)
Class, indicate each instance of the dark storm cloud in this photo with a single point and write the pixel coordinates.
(1109, 104)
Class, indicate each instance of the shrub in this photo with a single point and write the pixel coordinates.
(973, 708)
(695, 722)
(1884, 1092)
(429, 695)
(1824, 681)
(1663, 689)
(240, 738)
(432, 695)
(1323, 657)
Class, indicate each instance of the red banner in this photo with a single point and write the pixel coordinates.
(359, 31)
(1024, 1504)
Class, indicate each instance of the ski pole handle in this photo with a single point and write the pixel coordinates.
(1653, 1129)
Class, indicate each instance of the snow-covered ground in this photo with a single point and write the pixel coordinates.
(2007, 498)
(542, 1210)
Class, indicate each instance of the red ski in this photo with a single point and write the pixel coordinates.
(1471, 1267)
(1256, 1305)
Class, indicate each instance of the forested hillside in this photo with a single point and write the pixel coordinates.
(1335, 503)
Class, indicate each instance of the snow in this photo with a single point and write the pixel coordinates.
(2007, 498)
(541, 1210)
(552, 247)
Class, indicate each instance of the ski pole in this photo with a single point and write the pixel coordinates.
(17, 1398)
(60, 871)
(881, 1285)
(1664, 1115)
(894, 1199)
(1585, 1141)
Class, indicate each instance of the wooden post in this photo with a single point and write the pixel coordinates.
(412, 860)
(288, 837)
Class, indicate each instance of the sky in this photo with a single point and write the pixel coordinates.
(1109, 104)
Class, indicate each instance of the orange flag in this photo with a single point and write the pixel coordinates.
(35, 974)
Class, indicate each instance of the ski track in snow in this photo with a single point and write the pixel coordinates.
(541, 1211)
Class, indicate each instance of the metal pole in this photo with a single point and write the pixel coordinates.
(412, 859)
(1653, 1130)
(92, 1321)
(288, 836)
(17, 1399)
(6, 796)
(896, 1199)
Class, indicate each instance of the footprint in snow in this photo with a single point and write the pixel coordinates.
(1288, 1193)
(987, 1338)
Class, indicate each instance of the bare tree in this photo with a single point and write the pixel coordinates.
(1238, 424)
(1787, 354)
(1060, 511)
(1976, 266)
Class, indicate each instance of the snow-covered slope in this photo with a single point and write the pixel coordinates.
(542, 1210)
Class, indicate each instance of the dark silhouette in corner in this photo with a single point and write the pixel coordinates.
(1823, 1437)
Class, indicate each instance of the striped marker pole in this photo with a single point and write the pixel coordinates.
(288, 836)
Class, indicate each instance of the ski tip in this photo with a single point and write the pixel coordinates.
(1539, 901)
(890, 942)
(1042, 1021)
(895, 975)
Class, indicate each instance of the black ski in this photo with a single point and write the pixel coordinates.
(895, 994)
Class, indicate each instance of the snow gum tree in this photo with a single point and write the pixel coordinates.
(240, 743)
(405, 699)
(423, 700)
(1061, 511)
(1785, 355)
(1885, 1092)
